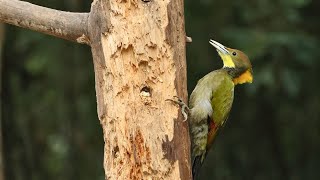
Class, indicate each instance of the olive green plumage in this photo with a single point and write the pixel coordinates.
(211, 100)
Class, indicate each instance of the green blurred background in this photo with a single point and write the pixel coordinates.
(49, 123)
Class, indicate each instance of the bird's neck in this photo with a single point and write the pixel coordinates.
(234, 72)
(239, 75)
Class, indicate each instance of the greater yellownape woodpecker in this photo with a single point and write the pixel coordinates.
(211, 100)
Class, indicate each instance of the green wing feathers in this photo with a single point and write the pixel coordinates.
(221, 102)
(210, 104)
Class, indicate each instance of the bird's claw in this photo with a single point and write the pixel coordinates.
(183, 105)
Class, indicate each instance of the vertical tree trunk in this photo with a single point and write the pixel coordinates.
(139, 59)
(138, 49)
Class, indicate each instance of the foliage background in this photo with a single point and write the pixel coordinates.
(50, 129)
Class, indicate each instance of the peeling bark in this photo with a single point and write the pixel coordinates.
(138, 50)
(140, 62)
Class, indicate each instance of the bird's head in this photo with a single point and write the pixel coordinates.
(235, 62)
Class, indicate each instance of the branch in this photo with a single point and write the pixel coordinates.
(188, 39)
(66, 25)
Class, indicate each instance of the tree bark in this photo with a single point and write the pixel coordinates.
(138, 50)
(139, 61)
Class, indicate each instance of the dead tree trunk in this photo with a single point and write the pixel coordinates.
(138, 50)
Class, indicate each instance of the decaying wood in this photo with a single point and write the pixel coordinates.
(139, 63)
(138, 50)
(66, 25)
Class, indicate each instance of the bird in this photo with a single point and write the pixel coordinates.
(211, 100)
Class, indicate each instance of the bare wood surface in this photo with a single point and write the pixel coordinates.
(139, 59)
(138, 49)
(67, 25)
(176, 38)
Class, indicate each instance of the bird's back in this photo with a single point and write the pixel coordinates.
(214, 88)
(210, 103)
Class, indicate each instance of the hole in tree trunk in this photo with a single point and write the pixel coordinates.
(145, 91)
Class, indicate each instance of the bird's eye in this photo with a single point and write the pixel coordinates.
(234, 53)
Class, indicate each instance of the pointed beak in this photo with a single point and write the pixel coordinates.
(220, 48)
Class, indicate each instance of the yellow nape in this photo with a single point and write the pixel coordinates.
(227, 60)
(246, 77)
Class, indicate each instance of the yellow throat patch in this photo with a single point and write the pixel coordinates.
(227, 60)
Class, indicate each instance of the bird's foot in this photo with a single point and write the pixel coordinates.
(183, 105)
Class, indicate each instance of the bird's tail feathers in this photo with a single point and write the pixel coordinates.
(196, 165)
